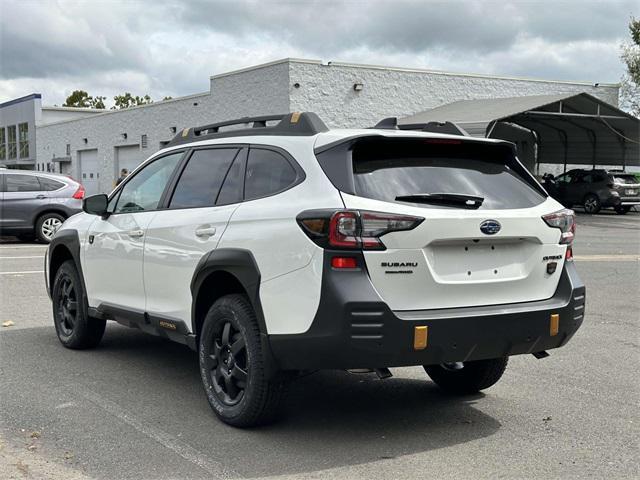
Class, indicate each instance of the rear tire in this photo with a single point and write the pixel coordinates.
(47, 225)
(623, 209)
(233, 367)
(592, 204)
(75, 328)
(472, 378)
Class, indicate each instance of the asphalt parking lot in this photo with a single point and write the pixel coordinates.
(134, 407)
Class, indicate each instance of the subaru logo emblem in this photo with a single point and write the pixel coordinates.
(490, 227)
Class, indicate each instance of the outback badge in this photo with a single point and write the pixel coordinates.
(490, 227)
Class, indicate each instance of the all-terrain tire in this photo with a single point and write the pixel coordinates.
(75, 328)
(472, 378)
(233, 365)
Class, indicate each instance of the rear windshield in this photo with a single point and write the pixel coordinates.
(628, 179)
(384, 169)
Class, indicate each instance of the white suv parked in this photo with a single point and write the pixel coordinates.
(287, 248)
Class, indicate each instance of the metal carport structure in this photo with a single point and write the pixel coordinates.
(560, 129)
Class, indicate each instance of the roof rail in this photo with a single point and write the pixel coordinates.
(450, 128)
(296, 123)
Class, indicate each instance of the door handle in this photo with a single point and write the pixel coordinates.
(40, 197)
(135, 233)
(205, 231)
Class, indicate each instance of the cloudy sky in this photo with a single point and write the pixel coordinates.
(172, 47)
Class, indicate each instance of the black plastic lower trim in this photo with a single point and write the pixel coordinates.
(354, 328)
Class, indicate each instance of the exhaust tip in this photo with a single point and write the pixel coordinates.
(540, 355)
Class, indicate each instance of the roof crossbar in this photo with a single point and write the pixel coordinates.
(296, 124)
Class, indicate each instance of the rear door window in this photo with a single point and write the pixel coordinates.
(384, 169)
(50, 185)
(22, 183)
(268, 172)
(202, 178)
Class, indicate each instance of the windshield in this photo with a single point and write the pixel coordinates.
(384, 170)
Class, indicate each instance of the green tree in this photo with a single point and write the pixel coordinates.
(630, 83)
(126, 100)
(78, 98)
(167, 98)
(98, 102)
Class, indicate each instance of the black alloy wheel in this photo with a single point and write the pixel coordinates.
(227, 364)
(66, 302)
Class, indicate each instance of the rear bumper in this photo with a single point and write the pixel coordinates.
(354, 328)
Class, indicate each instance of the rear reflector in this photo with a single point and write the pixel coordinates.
(79, 195)
(344, 262)
(420, 337)
(554, 324)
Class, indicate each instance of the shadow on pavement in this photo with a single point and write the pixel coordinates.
(331, 419)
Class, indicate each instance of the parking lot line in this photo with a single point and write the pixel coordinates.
(607, 258)
(11, 247)
(22, 273)
(21, 258)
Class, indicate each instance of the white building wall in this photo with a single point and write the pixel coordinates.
(255, 92)
(271, 89)
(393, 92)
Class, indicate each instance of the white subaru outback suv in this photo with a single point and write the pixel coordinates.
(288, 247)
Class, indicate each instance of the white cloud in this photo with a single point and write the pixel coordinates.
(171, 48)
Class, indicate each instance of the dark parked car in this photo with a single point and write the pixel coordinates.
(595, 189)
(34, 204)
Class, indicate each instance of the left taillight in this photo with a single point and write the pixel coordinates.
(79, 195)
(565, 220)
(353, 229)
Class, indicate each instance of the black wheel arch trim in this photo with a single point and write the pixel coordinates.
(238, 262)
(241, 264)
(69, 240)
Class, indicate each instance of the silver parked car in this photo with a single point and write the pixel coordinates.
(34, 204)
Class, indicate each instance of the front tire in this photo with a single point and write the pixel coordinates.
(592, 204)
(47, 226)
(75, 328)
(232, 365)
(473, 377)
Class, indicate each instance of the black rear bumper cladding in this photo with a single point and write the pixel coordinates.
(354, 328)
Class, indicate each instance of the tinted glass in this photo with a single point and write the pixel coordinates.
(23, 183)
(144, 190)
(384, 170)
(231, 191)
(201, 179)
(49, 184)
(268, 172)
(628, 179)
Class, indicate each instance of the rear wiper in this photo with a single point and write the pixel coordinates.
(450, 199)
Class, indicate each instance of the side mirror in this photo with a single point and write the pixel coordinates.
(96, 204)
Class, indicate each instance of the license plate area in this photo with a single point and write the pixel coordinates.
(475, 261)
(631, 191)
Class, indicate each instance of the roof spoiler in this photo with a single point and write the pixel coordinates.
(449, 128)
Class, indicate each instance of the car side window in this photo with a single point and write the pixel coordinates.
(49, 185)
(231, 190)
(268, 172)
(23, 183)
(201, 179)
(565, 178)
(144, 190)
(588, 178)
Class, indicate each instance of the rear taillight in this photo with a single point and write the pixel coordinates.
(79, 195)
(565, 220)
(353, 229)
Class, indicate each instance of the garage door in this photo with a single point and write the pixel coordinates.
(89, 176)
(128, 157)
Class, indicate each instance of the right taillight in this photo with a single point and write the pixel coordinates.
(565, 220)
(79, 195)
(353, 229)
